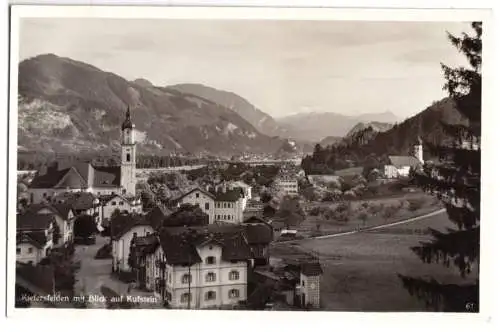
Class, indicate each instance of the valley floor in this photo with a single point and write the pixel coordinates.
(361, 270)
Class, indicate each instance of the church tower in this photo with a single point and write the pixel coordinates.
(128, 160)
(418, 150)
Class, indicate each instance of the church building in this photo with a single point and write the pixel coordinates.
(85, 177)
(400, 166)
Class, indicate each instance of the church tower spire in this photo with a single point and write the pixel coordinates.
(128, 157)
(418, 150)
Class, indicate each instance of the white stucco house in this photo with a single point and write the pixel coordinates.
(207, 271)
(34, 236)
(124, 228)
(64, 218)
(400, 166)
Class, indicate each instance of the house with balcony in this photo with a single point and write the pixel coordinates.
(64, 218)
(34, 236)
(197, 268)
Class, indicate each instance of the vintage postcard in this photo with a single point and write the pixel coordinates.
(246, 159)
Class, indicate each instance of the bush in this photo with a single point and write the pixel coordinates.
(315, 211)
(415, 204)
(389, 211)
(104, 252)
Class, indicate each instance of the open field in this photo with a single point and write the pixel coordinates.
(309, 226)
(361, 270)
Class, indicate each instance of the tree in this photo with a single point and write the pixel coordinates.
(187, 215)
(84, 226)
(265, 197)
(455, 179)
(56, 234)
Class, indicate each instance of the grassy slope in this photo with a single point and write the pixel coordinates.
(360, 270)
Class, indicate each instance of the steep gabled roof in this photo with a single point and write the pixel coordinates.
(36, 238)
(33, 221)
(106, 176)
(49, 179)
(62, 209)
(122, 223)
(402, 161)
(193, 190)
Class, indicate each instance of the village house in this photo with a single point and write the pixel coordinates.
(82, 203)
(253, 209)
(110, 203)
(400, 166)
(216, 256)
(204, 270)
(288, 185)
(99, 180)
(295, 284)
(34, 236)
(220, 204)
(64, 218)
(123, 229)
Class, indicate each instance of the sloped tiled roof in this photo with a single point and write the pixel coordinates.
(77, 200)
(193, 190)
(106, 176)
(60, 208)
(258, 233)
(33, 221)
(101, 176)
(37, 238)
(146, 244)
(232, 195)
(402, 161)
(49, 179)
(124, 222)
(179, 250)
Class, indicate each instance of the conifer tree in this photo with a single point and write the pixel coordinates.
(455, 180)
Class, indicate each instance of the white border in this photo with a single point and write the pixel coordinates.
(275, 320)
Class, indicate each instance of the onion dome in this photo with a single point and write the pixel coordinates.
(127, 124)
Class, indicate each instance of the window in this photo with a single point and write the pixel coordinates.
(210, 277)
(186, 297)
(303, 283)
(121, 203)
(197, 195)
(210, 260)
(207, 206)
(234, 275)
(44, 194)
(234, 293)
(128, 156)
(135, 234)
(30, 250)
(186, 279)
(113, 203)
(210, 295)
(18, 251)
(169, 278)
(218, 217)
(147, 280)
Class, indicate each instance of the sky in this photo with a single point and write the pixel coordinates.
(281, 67)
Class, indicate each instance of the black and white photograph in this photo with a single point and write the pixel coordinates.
(244, 162)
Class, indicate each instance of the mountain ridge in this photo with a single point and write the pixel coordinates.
(66, 106)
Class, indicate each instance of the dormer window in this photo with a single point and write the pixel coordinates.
(210, 260)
